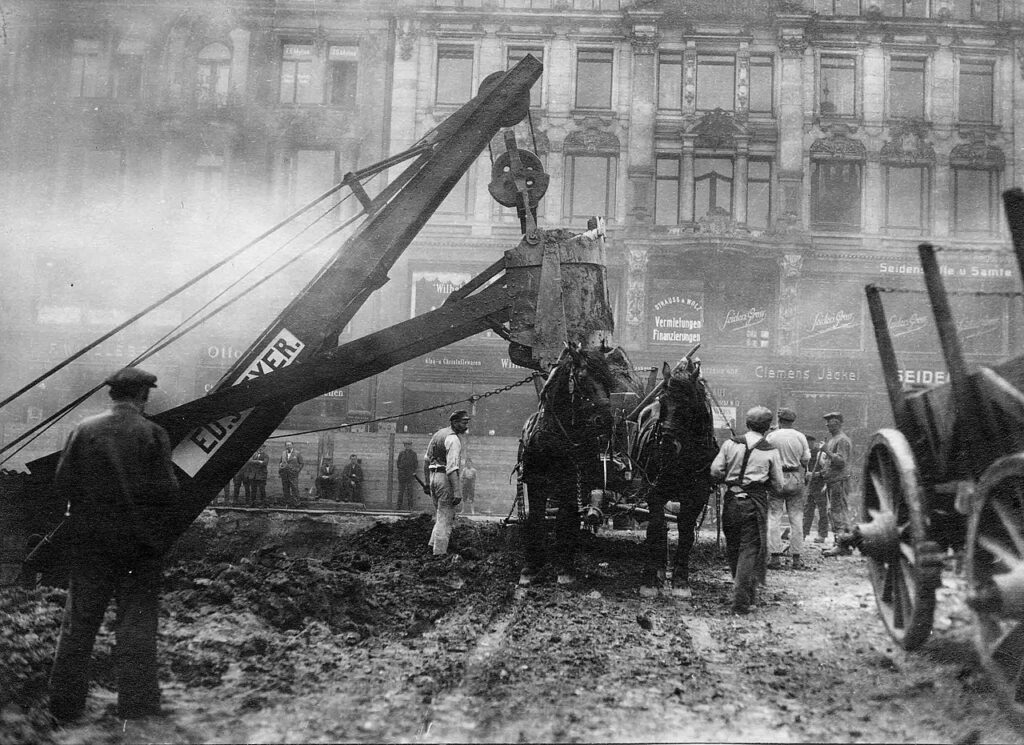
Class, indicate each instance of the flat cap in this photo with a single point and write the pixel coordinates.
(833, 415)
(407, 442)
(460, 414)
(131, 377)
(759, 415)
(786, 415)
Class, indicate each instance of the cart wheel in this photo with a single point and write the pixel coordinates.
(995, 577)
(904, 567)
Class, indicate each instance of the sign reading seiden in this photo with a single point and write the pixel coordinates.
(195, 451)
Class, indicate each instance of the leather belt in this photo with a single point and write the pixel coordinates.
(790, 469)
(436, 468)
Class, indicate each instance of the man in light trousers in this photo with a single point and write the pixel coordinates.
(795, 454)
(442, 464)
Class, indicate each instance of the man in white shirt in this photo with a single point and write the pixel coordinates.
(442, 463)
(794, 453)
(750, 468)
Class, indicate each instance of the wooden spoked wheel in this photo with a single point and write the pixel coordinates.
(995, 577)
(904, 567)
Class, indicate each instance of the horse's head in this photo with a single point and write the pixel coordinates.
(684, 398)
(578, 389)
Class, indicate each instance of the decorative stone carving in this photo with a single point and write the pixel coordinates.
(717, 130)
(792, 46)
(636, 292)
(838, 147)
(644, 39)
(407, 33)
(791, 265)
(977, 154)
(718, 222)
(591, 140)
(908, 145)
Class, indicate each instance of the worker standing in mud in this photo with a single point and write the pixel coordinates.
(750, 468)
(442, 466)
(839, 450)
(118, 479)
(795, 453)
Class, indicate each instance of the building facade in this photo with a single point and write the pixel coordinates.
(758, 164)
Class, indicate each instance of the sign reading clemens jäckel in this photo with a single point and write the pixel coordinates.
(676, 316)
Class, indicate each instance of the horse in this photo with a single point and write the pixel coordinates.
(673, 452)
(561, 447)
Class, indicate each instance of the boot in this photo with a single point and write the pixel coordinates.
(798, 563)
(775, 562)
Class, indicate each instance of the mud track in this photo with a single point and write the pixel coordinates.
(301, 633)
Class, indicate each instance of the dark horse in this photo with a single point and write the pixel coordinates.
(561, 447)
(673, 451)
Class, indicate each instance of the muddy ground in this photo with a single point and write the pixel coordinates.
(291, 636)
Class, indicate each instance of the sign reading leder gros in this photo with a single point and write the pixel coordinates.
(195, 451)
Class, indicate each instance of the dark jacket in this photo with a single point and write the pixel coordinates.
(257, 466)
(117, 475)
(406, 464)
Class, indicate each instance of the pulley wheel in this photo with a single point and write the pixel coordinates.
(503, 181)
(903, 565)
(516, 109)
(995, 577)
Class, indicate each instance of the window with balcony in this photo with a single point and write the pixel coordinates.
(759, 194)
(515, 56)
(716, 82)
(837, 92)
(976, 88)
(213, 75)
(836, 195)
(343, 69)
(84, 80)
(976, 10)
(670, 81)
(666, 191)
(906, 88)
(296, 73)
(712, 187)
(762, 84)
(975, 202)
(907, 191)
(593, 79)
(127, 77)
(590, 186)
(454, 75)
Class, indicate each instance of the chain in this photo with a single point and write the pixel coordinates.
(472, 400)
(976, 293)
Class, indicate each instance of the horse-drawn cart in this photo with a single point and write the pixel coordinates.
(949, 482)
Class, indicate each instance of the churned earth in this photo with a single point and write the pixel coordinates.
(285, 635)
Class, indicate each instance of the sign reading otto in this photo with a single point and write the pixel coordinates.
(676, 317)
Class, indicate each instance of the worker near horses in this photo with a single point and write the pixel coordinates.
(839, 450)
(406, 465)
(795, 453)
(751, 468)
(817, 499)
(117, 477)
(442, 465)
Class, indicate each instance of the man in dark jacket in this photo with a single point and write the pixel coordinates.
(117, 476)
(352, 478)
(406, 464)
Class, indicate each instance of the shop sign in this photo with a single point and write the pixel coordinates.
(461, 364)
(431, 288)
(969, 271)
(676, 316)
(830, 318)
(922, 377)
(809, 373)
(979, 321)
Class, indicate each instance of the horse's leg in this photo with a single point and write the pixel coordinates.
(567, 526)
(533, 544)
(691, 505)
(657, 544)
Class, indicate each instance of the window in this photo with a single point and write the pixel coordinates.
(712, 187)
(907, 190)
(296, 73)
(976, 91)
(843, 7)
(835, 195)
(906, 88)
(670, 80)
(454, 75)
(344, 71)
(759, 194)
(838, 93)
(85, 69)
(213, 75)
(980, 10)
(666, 191)
(975, 202)
(515, 56)
(716, 82)
(127, 76)
(590, 186)
(593, 79)
(905, 8)
(762, 84)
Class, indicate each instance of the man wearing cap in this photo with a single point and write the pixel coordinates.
(406, 465)
(750, 468)
(446, 454)
(839, 450)
(116, 473)
(794, 453)
(817, 499)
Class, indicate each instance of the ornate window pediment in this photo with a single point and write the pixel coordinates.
(717, 130)
(908, 146)
(838, 147)
(591, 140)
(978, 155)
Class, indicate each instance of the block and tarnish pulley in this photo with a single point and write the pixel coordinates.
(504, 176)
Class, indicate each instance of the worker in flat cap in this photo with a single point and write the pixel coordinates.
(839, 450)
(794, 452)
(406, 465)
(117, 477)
(750, 467)
(442, 468)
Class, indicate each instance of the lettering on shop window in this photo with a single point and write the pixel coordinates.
(819, 374)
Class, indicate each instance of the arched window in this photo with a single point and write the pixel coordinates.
(213, 75)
